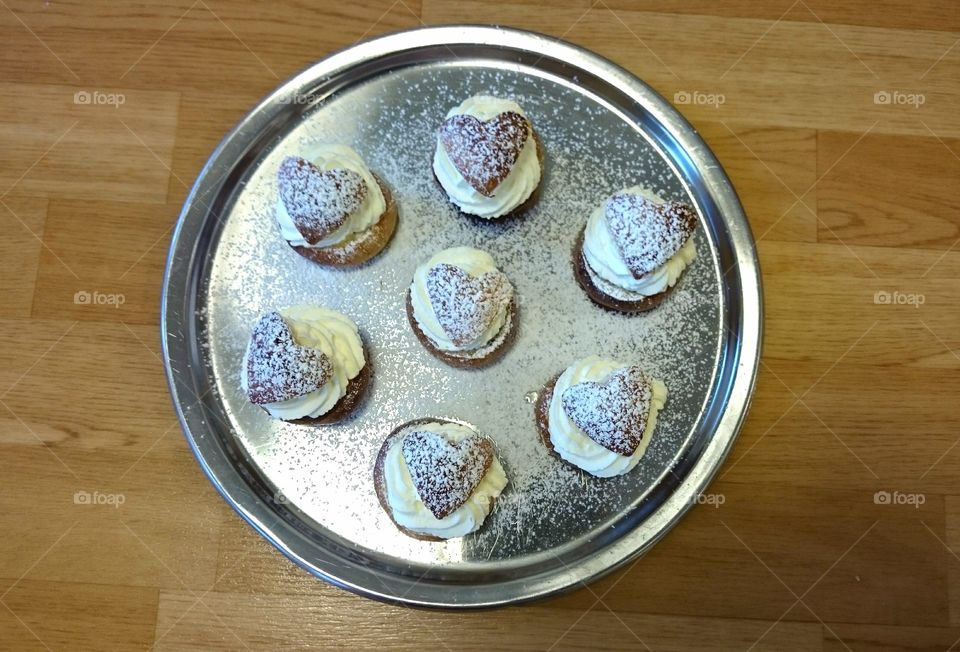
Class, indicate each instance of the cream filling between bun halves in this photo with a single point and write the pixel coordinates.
(330, 157)
(408, 509)
(573, 445)
(606, 263)
(518, 185)
(338, 337)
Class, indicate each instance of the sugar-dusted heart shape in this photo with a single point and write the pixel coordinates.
(647, 233)
(466, 305)
(318, 201)
(279, 369)
(614, 414)
(484, 152)
(445, 474)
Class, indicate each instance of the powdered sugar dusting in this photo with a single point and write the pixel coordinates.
(590, 154)
(279, 369)
(466, 305)
(445, 473)
(494, 344)
(318, 201)
(613, 414)
(648, 234)
(484, 152)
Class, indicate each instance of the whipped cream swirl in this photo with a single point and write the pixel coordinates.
(410, 512)
(573, 445)
(606, 262)
(334, 334)
(515, 189)
(329, 157)
(474, 262)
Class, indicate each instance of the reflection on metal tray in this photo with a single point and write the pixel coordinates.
(309, 489)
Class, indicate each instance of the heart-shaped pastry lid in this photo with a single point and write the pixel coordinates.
(445, 474)
(648, 234)
(614, 414)
(318, 201)
(466, 305)
(279, 369)
(484, 152)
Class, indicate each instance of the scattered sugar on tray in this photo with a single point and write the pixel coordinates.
(326, 471)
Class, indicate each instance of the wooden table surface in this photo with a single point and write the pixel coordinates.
(837, 121)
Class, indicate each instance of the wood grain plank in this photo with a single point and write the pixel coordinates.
(22, 220)
(774, 172)
(23, 344)
(333, 620)
(87, 141)
(808, 323)
(104, 261)
(951, 540)
(127, 409)
(740, 550)
(205, 118)
(786, 74)
(109, 518)
(845, 636)
(878, 199)
(240, 47)
(246, 563)
(822, 298)
(929, 14)
(57, 615)
(897, 441)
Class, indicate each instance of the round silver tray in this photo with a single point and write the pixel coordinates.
(308, 490)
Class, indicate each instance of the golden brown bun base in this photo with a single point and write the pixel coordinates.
(542, 414)
(464, 362)
(360, 247)
(603, 299)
